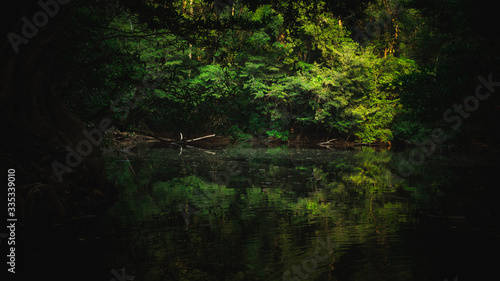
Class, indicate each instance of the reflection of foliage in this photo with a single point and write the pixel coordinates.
(288, 192)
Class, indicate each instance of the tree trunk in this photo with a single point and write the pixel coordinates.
(37, 126)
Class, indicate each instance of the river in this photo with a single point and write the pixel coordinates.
(294, 214)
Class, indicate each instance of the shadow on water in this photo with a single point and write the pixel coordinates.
(294, 214)
(268, 214)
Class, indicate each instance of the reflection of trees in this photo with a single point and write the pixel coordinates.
(292, 201)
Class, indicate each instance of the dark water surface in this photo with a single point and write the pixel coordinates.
(288, 214)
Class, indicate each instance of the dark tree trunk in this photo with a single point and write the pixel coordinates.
(37, 126)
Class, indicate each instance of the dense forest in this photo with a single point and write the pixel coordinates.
(372, 72)
(237, 139)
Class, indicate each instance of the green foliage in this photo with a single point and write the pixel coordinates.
(275, 70)
(283, 136)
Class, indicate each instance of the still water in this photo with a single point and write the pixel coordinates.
(296, 214)
(300, 214)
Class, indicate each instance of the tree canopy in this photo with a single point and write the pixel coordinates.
(366, 71)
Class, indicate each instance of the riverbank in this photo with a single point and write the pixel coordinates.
(120, 140)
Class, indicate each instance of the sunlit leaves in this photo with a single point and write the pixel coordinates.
(252, 69)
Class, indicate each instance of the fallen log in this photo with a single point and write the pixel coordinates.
(200, 138)
(180, 142)
(326, 142)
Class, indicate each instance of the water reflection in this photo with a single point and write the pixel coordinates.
(270, 214)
